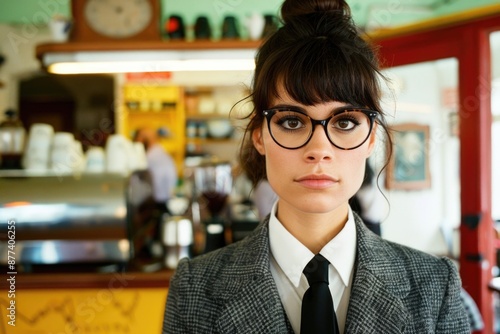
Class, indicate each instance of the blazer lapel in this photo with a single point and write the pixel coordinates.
(248, 294)
(380, 283)
(373, 308)
(256, 309)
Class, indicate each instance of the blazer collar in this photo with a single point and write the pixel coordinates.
(248, 290)
(380, 283)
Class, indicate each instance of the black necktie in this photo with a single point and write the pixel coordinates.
(318, 314)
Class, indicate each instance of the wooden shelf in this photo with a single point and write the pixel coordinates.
(93, 280)
(150, 112)
(210, 140)
(206, 117)
(161, 45)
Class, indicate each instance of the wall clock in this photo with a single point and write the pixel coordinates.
(108, 20)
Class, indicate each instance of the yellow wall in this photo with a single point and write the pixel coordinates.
(150, 113)
(85, 311)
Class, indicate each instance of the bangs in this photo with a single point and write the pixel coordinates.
(318, 70)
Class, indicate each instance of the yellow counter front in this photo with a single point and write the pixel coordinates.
(117, 303)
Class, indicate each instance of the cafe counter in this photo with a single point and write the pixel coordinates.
(84, 303)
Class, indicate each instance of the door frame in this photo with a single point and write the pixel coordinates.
(465, 37)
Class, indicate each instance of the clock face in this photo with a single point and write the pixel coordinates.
(118, 18)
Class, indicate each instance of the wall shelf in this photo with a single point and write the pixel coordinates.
(43, 49)
(147, 56)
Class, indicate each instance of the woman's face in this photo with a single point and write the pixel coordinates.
(317, 178)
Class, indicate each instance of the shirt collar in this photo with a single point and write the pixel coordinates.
(292, 256)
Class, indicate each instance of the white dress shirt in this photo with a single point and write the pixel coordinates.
(289, 258)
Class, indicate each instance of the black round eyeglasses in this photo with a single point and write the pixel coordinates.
(347, 128)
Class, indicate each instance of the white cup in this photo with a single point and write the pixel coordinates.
(141, 161)
(117, 154)
(95, 160)
(40, 135)
(63, 157)
(61, 161)
(79, 156)
(63, 141)
(255, 24)
(60, 29)
(37, 158)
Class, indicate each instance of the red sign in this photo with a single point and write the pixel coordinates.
(148, 76)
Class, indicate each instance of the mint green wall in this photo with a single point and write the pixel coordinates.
(39, 11)
(32, 11)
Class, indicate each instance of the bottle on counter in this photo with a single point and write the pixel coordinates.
(12, 138)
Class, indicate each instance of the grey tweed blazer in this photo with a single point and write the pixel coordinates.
(395, 290)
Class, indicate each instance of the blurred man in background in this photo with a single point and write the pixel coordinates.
(160, 165)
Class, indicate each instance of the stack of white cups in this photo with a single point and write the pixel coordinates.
(66, 155)
(119, 154)
(37, 154)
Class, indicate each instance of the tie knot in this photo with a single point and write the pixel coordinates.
(317, 270)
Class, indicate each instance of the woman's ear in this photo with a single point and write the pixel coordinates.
(258, 142)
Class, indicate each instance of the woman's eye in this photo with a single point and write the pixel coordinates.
(291, 123)
(345, 124)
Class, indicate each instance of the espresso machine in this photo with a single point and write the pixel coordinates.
(75, 222)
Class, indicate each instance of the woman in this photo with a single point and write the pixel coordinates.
(314, 124)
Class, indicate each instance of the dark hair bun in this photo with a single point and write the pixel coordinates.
(294, 8)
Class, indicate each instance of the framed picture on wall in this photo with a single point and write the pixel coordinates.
(408, 168)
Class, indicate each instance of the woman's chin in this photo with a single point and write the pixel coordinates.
(312, 205)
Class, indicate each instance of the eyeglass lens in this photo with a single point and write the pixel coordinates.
(347, 129)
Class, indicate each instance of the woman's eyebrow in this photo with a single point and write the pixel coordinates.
(347, 106)
(289, 106)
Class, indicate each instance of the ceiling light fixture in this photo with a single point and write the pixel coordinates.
(85, 62)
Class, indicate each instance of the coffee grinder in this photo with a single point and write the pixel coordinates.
(213, 182)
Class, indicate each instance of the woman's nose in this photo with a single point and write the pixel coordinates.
(319, 146)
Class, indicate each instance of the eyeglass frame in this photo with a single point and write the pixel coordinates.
(372, 115)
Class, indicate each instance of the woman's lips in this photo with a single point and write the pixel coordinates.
(316, 181)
